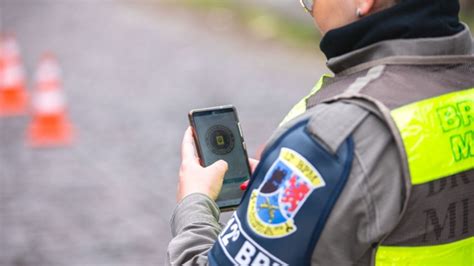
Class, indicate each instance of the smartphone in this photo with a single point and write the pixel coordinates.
(218, 135)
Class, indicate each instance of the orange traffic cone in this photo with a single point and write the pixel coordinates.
(50, 125)
(13, 95)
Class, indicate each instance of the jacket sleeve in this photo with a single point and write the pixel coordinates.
(194, 228)
(370, 205)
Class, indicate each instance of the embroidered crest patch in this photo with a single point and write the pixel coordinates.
(288, 183)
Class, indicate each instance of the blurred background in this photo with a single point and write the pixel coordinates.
(120, 80)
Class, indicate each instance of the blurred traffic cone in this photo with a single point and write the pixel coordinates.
(50, 125)
(13, 95)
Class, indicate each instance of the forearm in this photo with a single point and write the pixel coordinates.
(194, 227)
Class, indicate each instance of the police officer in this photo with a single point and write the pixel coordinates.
(375, 166)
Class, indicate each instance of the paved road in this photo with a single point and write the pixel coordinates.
(132, 70)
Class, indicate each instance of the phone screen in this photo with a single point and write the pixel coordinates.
(219, 136)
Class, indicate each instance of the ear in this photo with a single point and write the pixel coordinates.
(365, 7)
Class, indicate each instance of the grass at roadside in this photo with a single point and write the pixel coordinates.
(468, 18)
(263, 23)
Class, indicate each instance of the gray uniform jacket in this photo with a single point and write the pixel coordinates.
(370, 203)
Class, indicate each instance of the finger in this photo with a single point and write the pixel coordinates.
(219, 168)
(253, 164)
(258, 153)
(187, 146)
(244, 185)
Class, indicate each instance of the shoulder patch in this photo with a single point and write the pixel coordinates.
(286, 186)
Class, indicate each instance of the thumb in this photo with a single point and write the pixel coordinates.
(220, 167)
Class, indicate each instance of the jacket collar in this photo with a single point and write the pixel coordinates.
(460, 44)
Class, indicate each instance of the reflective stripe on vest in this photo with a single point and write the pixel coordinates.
(300, 107)
(457, 253)
(438, 137)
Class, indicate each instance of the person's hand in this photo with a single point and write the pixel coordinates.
(253, 165)
(193, 178)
